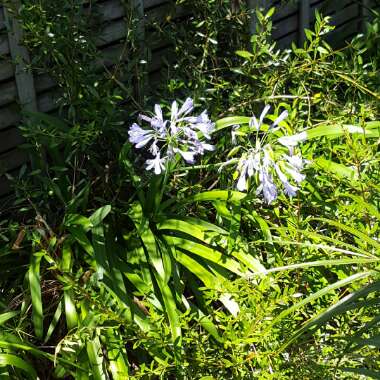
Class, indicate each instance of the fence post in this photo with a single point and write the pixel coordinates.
(252, 5)
(364, 13)
(20, 56)
(138, 8)
(304, 20)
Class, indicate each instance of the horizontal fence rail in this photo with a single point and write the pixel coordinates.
(20, 90)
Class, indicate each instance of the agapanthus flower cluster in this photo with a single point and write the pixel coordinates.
(270, 167)
(183, 134)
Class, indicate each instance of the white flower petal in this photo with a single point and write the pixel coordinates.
(188, 156)
(296, 175)
(242, 183)
(295, 161)
(174, 111)
(157, 164)
(143, 142)
(290, 190)
(263, 114)
(145, 118)
(208, 147)
(282, 117)
(187, 107)
(154, 148)
(280, 174)
(269, 189)
(158, 112)
(254, 123)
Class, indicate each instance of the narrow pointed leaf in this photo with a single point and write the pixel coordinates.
(35, 291)
(15, 361)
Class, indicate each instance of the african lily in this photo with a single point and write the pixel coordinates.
(181, 134)
(270, 167)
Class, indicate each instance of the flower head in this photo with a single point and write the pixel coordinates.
(267, 163)
(182, 134)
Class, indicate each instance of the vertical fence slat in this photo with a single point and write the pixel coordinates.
(20, 56)
(365, 14)
(138, 7)
(304, 19)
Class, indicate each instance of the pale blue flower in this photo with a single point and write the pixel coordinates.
(290, 190)
(190, 133)
(283, 116)
(157, 163)
(247, 168)
(154, 149)
(295, 160)
(202, 123)
(267, 187)
(242, 182)
(181, 134)
(188, 156)
(138, 136)
(257, 124)
(157, 122)
(264, 161)
(200, 147)
(186, 108)
(295, 174)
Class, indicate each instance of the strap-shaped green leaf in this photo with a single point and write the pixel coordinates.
(316, 295)
(4, 317)
(15, 361)
(35, 292)
(80, 236)
(70, 310)
(230, 121)
(95, 356)
(99, 215)
(116, 355)
(217, 195)
(54, 321)
(209, 253)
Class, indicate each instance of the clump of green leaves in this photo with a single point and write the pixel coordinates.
(123, 274)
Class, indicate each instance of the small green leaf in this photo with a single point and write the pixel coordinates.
(99, 215)
(78, 220)
(244, 54)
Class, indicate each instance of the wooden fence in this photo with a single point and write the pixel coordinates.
(20, 90)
